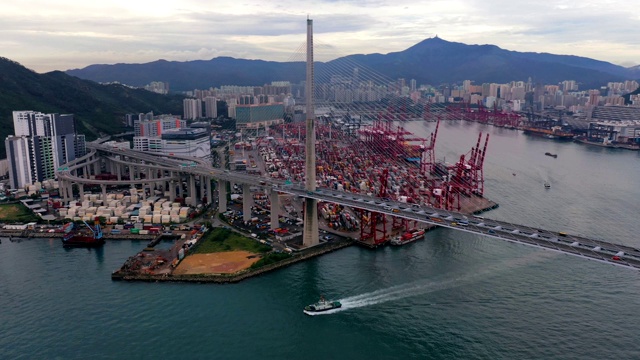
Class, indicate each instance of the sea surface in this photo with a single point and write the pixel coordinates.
(453, 296)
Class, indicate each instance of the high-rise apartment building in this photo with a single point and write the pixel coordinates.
(594, 97)
(569, 85)
(210, 107)
(41, 144)
(192, 109)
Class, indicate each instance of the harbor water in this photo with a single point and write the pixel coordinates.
(453, 296)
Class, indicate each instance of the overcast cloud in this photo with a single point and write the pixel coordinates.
(47, 35)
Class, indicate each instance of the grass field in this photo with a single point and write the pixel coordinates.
(220, 240)
(16, 213)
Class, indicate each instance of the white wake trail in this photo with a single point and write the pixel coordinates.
(424, 287)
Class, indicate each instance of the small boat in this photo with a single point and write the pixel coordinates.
(547, 185)
(552, 155)
(322, 305)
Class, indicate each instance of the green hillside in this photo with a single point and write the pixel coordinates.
(97, 108)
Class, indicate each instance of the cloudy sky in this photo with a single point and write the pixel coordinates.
(47, 35)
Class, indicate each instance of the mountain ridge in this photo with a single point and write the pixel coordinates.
(97, 108)
(433, 61)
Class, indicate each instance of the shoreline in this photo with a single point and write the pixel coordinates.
(30, 234)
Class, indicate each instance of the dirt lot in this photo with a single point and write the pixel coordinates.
(228, 262)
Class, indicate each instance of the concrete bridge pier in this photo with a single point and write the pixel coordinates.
(69, 190)
(222, 196)
(172, 191)
(81, 191)
(247, 201)
(149, 174)
(144, 191)
(62, 190)
(209, 190)
(192, 190)
(96, 167)
(275, 209)
(119, 171)
(202, 190)
(103, 187)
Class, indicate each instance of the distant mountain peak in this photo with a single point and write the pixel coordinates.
(434, 40)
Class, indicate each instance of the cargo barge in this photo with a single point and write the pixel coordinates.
(408, 237)
(74, 237)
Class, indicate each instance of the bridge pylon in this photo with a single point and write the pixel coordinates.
(310, 232)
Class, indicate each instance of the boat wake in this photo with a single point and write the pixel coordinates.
(424, 287)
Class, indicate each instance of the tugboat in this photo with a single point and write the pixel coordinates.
(76, 238)
(322, 305)
(408, 237)
(552, 155)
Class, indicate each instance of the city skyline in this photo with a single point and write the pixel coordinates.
(70, 34)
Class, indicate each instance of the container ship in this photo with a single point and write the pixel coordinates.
(407, 237)
(554, 132)
(74, 237)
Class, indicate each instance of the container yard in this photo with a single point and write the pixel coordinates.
(379, 159)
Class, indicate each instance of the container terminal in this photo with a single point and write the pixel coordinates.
(380, 159)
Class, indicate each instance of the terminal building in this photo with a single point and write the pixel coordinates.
(623, 132)
(255, 116)
(42, 143)
(178, 142)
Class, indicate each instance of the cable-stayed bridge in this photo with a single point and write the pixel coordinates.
(385, 165)
(591, 249)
